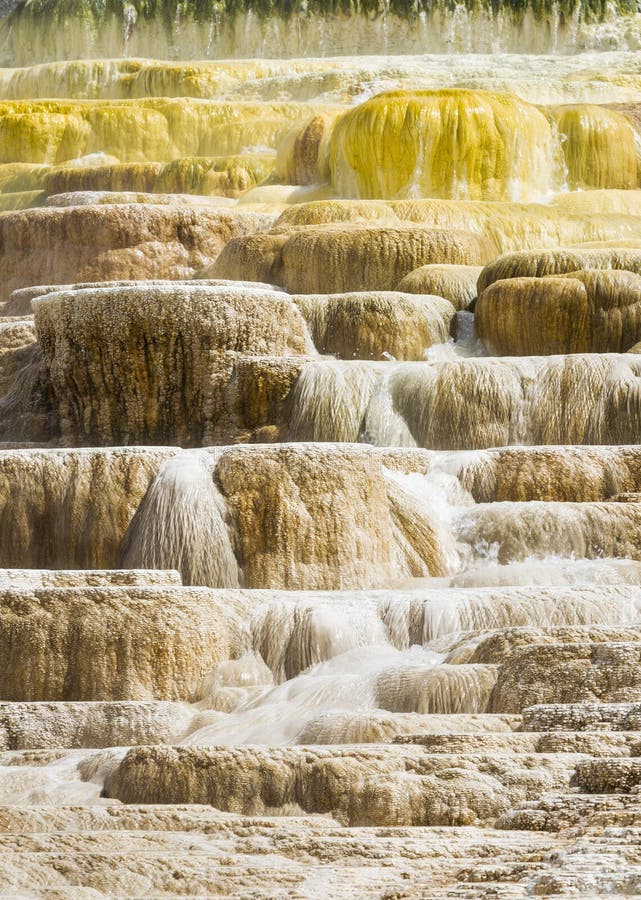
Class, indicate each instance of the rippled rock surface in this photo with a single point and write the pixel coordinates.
(320, 449)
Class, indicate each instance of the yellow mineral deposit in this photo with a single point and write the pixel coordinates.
(510, 226)
(138, 131)
(600, 146)
(450, 144)
(320, 448)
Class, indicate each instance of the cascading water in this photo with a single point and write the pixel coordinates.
(320, 477)
(181, 525)
(199, 30)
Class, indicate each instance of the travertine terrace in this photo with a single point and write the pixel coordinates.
(320, 449)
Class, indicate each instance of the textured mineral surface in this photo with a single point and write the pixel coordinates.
(320, 449)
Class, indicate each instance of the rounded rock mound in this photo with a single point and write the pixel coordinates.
(376, 324)
(589, 311)
(337, 258)
(460, 144)
(560, 261)
(455, 283)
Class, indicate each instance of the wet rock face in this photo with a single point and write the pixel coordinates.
(185, 341)
(111, 644)
(242, 395)
(303, 155)
(78, 485)
(345, 544)
(536, 400)
(166, 508)
(87, 32)
(201, 513)
(599, 148)
(437, 134)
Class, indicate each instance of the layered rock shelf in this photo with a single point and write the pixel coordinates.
(320, 450)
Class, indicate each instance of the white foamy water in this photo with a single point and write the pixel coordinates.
(55, 778)
(344, 684)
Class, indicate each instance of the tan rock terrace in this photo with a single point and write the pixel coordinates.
(320, 449)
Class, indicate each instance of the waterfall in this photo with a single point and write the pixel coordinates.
(248, 30)
(451, 144)
(182, 524)
(470, 403)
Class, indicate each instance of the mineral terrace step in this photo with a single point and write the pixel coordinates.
(27, 726)
(136, 642)
(560, 811)
(364, 784)
(164, 818)
(606, 776)
(88, 577)
(593, 743)
(569, 673)
(582, 716)
(165, 851)
(203, 853)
